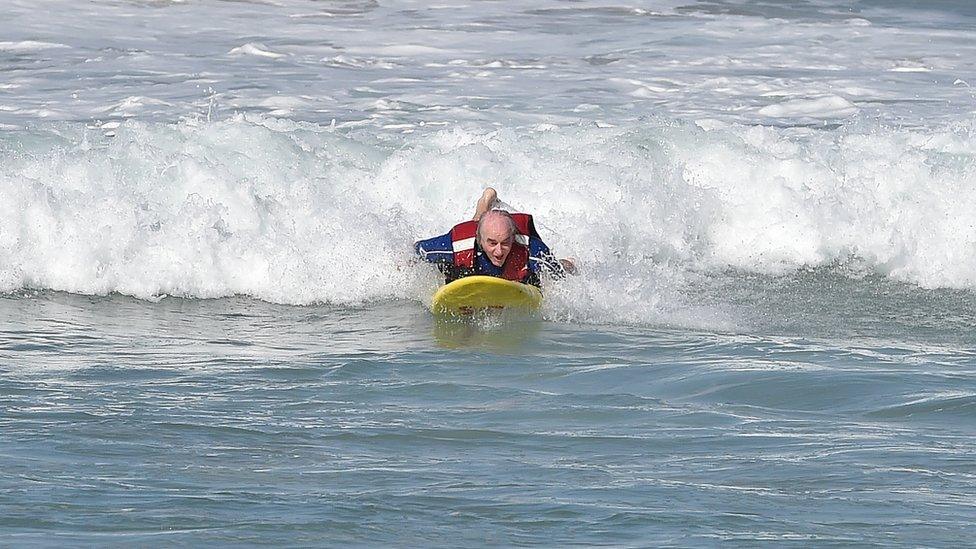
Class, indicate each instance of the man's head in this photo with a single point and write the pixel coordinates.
(496, 234)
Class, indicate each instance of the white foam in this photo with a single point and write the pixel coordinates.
(296, 213)
(348, 61)
(910, 69)
(285, 102)
(45, 113)
(256, 50)
(174, 204)
(30, 45)
(402, 50)
(821, 107)
(132, 105)
(487, 66)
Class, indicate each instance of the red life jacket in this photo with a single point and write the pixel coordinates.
(516, 266)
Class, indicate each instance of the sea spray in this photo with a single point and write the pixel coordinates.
(297, 213)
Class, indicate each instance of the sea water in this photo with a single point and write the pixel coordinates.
(213, 332)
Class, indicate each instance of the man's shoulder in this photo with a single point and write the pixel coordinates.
(537, 246)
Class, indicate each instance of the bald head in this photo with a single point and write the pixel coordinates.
(496, 234)
(496, 220)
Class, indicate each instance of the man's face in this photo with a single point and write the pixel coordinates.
(496, 239)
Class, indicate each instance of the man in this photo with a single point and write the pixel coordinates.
(493, 243)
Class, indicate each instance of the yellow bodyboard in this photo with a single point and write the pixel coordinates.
(471, 294)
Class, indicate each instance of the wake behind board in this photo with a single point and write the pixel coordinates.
(471, 294)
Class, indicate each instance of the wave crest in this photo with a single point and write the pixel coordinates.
(297, 213)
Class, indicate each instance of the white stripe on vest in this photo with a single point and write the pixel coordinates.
(463, 244)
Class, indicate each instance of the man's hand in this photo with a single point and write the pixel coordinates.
(569, 265)
(485, 203)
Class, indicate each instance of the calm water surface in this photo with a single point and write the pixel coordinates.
(236, 421)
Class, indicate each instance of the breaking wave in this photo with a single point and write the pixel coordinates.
(298, 213)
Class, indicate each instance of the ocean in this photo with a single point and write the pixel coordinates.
(213, 330)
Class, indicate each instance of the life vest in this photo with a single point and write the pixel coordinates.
(516, 267)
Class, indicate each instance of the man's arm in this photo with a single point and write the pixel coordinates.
(438, 249)
(487, 200)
